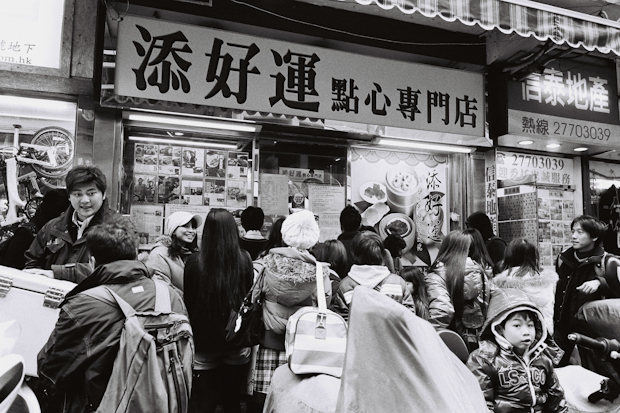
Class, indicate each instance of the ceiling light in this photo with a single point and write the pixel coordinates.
(427, 146)
(195, 122)
(526, 142)
(553, 145)
(582, 149)
(178, 134)
(203, 144)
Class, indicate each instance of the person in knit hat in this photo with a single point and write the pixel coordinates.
(168, 256)
(287, 278)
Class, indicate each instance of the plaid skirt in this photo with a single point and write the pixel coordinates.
(267, 361)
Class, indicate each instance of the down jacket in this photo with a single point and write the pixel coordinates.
(539, 287)
(289, 283)
(161, 263)
(513, 383)
(476, 294)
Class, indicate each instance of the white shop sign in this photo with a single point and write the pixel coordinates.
(548, 169)
(181, 63)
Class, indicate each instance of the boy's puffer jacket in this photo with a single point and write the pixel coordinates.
(513, 383)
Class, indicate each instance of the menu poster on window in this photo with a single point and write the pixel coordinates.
(191, 190)
(144, 189)
(404, 193)
(145, 158)
(168, 190)
(215, 192)
(237, 165)
(169, 160)
(193, 162)
(215, 164)
(326, 202)
(148, 220)
(273, 193)
(237, 194)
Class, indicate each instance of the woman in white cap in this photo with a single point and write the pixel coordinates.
(167, 258)
(289, 283)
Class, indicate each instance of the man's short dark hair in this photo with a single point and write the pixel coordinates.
(367, 249)
(350, 218)
(113, 240)
(591, 225)
(252, 218)
(85, 174)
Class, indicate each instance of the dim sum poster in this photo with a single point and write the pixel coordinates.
(404, 193)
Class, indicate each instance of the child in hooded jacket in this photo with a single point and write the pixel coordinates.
(513, 368)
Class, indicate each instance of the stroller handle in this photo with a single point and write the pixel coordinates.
(600, 345)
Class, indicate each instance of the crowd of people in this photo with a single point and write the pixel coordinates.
(513, 315)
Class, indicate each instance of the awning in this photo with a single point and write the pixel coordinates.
(527, 18)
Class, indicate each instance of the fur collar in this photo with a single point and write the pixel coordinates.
(507, 279)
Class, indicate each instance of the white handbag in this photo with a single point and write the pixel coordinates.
(316, 338)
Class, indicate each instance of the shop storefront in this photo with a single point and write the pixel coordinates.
(213, 118)
(554, 123)
(46, 110)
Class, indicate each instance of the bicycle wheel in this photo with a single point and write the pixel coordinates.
(53, 183)
(62, 142)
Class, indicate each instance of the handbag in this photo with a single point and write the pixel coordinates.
(316, 338)
(245, 325)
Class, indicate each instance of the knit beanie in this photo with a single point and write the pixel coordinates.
(180, 218)
(300, 230)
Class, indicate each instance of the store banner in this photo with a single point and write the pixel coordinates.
(182, 63)
(31, 32)
(570, 102)
(547, 169)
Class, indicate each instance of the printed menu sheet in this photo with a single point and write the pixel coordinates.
(168, 174)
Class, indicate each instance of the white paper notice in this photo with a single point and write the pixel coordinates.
(274, 194)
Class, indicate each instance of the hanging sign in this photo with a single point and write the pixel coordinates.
(31, 32)
(547, 169)
(182, 63)
(569, 102)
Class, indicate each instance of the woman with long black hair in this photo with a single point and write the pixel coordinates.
(445, 283)
(216, 280)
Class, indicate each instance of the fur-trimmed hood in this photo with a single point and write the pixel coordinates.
(508, 279)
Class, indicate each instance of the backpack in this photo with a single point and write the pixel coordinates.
(611, 263)
(6, 235)
(152, 372)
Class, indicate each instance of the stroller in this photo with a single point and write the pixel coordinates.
(595, 387)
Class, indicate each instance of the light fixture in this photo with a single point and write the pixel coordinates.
(202, 144)
(527, 142)
(581, 149)
(421, 145)
(178, 133)
(231, 125)
(553, 145)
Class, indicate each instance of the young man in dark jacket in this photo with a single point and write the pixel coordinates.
(579, 281)
(59, 249)
(75, 365)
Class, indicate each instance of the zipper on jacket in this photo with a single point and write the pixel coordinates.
(529, 379)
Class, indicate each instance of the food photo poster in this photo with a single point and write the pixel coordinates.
(402, 193)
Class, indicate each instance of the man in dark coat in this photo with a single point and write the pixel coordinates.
(59, 249)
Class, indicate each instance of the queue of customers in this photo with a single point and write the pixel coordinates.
(91, 245)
